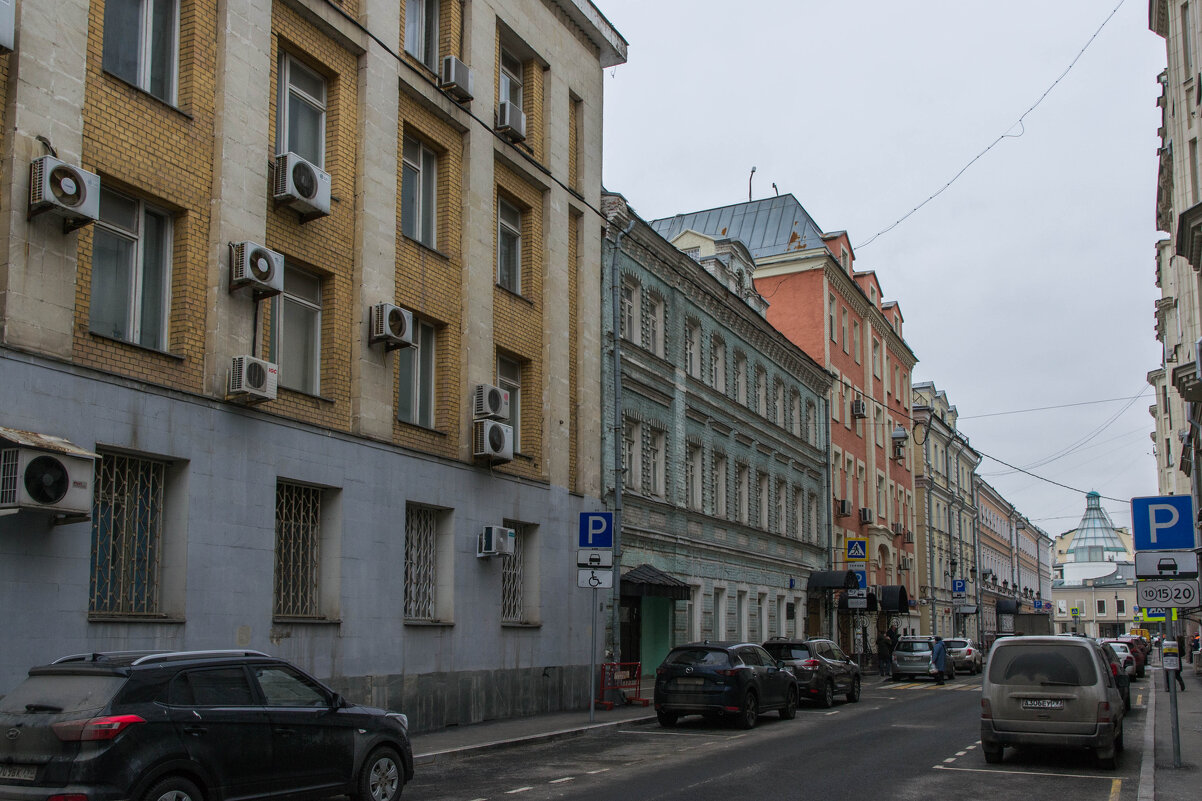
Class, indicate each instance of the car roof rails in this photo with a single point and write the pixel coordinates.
(173, 655)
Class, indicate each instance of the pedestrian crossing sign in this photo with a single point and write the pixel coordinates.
(857, 549)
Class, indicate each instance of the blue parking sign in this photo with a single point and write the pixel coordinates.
(958, 585)
(862, 577)
(596, 529)
(1163, 523)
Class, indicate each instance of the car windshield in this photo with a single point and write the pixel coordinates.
(914, 646)
(62, 693)
(1042, 664)
(957, 643)
(782, 650)
(699, 656)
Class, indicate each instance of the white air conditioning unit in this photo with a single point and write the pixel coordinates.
(492, 440)
(511, 122)
(253, 379)
(302, 186)
(907, 562)
(898, 529)
(859, 409)
(842, 507)
(495, 541)
(8, 25)
(455, 78)
(490, 402)
(867, 515)
(46, 480)
(909, 537)
(391, 325)
(257, 268)
(63, 190)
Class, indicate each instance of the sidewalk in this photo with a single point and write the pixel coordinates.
(1159, 780)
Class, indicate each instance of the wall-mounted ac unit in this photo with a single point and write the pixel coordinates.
(859, 409)
(46, 480)
(898, 529)
(302, 186)
(63, 190)
(907, 563)
(867, 515)
(455, 79)
(256, 267)
(495, 541)
(253, 379)
(8, 25)
(511, 122)
(490, 402)
(842, 507)
(909, 537)
(391, 325)
(492, 440)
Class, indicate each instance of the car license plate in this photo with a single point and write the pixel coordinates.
(25, 773)
(1043, 703)
(690, 680)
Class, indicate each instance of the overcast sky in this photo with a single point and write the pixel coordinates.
(1029, 283)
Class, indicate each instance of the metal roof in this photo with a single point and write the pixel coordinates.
(1095, 537)
(44, 442)
(767, 227)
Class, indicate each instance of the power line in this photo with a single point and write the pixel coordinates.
(1048, 480)
(1059, 406)
(1005, 134)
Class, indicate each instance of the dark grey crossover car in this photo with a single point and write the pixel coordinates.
(193, 726)
(822, 669)
(737, 680)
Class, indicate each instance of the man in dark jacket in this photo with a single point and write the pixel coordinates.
(884, 652)
(939, 658)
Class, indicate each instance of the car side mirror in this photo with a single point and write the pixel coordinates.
(338, 702)
(780, 664)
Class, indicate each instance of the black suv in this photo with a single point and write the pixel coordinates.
(193, 726)
(822, 669)
(722, 679)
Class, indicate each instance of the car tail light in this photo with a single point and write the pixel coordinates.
(105, 728)
(727, 671)
(68, 797)
(661, 670)
(810, 664)
(986, 710)
(1114, 669)
(968, 652)
(1103, 712)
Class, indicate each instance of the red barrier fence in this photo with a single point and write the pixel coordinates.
(620, 683)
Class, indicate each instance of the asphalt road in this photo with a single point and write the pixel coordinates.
(900, 742)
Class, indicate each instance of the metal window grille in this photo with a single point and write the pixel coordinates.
(513, 581)
(8, 475)
(420, 566)
(127, 530)
(297, 550)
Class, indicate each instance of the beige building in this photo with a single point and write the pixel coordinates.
(1094, 590)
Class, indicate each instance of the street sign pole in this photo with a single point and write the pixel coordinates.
(592, 671)
(1165, 661)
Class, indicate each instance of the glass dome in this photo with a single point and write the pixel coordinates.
(1096, 539)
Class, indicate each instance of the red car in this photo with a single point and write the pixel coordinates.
(1138, 649)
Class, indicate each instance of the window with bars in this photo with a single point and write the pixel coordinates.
(421, 568)
(127, 536)
(297, 550)
(513, 583)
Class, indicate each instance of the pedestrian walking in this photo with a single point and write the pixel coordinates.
(939, 659)
(1177, 673)
(884, 651)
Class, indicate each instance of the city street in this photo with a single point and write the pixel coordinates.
(909, 740)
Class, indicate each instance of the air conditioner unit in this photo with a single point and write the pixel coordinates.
(302, 186)
(867, 515)
(898, 529)
(256, 267)
(909, 537)
(859, 409)
(842, 508)
(253, 379)
(391, 325)
(490, 402)
(511, 122)
(495, 541)
(63, 190)
(456, 79)
(8, 25)
(46, 480)
(907, 562)
(492, 440)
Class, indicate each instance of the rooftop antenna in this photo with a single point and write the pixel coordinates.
(749, 177)
(774, 189)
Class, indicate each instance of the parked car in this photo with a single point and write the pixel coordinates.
(821, 668)
(966, 654)
(1050, 691)
(1125, 654)
(1120, 675)
(1141, 649)
(737, 680)
(912, 658)
(193, 726)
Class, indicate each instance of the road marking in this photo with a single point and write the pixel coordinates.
(835, 712)
(519, 790)
(564, 779)
(959, 754)
(1116, 787)
(598, 770)
(1023, 772)
(949, 759)
(672, 733)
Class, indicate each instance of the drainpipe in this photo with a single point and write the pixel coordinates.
(830, 533)
(616, 337)
(926, 475)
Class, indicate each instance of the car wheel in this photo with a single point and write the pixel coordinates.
(853, 694)
(749, 713)
(789, 710)
(992, 755)
(827, 699)
(666, 719)
(1118, 741)
(173, 788)
(380, 778)
(1107, 762)
(896, 677)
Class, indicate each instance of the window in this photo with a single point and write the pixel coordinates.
(692, 477)
(762, 499)
(1187, 34)
(876, 357)
(297, 550)
(511, 79)
(513, 576)
(811, 423)
(692, 349)
(509, 378)
(830, 306)
(283, 687)
(632, 455)
(781, 508)
(421, 31)
(1120, 606)
(795, 421)
(628, 317)
(657, 464)
(855, 340)
(419, 209)
(1101, 607)
(655, 327)
(509, 246)
(141, 44)
(296, 331)
(720, 479)
(799, 509)
(761, 392)
(813, 518)
(131, 271)
(718, 364)
(301, 124)
(421, 561)
(415, 399)
(846, 341)
(127, 535)
(741, 379)
(742, 491)
(778, 407)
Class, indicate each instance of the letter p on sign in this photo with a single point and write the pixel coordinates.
(1163, 523)
(1160, 516)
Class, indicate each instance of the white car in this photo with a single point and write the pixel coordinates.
(1125, 655)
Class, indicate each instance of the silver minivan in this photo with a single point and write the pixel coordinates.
(1050, 691)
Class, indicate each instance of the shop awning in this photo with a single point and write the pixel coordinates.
(894, 599)
(646, 580)
(1007, 606)
(833, 580)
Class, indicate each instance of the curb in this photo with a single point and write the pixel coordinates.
(541, 737)
(1147, 765)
